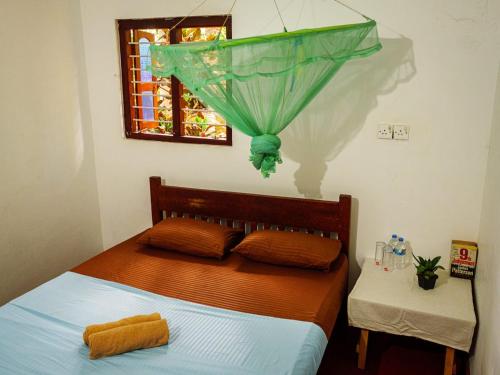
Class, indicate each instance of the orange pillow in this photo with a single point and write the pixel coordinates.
(290, 249)
(191, 236)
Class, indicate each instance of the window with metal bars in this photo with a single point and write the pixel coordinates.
(161, 108)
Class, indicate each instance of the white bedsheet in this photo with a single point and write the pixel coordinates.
(41, 333)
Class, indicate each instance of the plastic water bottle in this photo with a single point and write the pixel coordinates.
(393, 241)
(400, 260)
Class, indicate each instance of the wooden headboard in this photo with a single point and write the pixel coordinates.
(252, 211)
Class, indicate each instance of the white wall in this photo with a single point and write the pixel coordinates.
(486, 360)
(434, 74)
(49, 215)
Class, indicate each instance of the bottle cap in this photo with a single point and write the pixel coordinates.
(394, 236)
(401, 239)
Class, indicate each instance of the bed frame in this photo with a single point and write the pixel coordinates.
(252, 211)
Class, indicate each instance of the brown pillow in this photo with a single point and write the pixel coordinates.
(191, 236)
(290, 249)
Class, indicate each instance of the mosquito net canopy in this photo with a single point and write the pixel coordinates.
(260, 84)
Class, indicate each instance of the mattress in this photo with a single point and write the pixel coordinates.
(234, 283)
(41, 333)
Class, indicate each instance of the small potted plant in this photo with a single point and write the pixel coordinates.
(426, 271)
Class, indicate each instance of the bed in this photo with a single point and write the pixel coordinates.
(230, 316)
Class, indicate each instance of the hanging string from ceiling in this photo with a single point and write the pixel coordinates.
(277, 10)
(351, 8)
(227, 17)
(229, 12)
(190, 13)
(337, 1)
(198, 7)
(281, 17)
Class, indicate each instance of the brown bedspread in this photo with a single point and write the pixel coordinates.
(233, 283)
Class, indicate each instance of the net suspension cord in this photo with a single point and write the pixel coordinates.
(279, 14)
(351, 8)
(190, 13)
(277, 9)
(227, 17)
(337, 1)
(198, 7)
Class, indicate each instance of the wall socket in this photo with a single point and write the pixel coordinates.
(401, 132)
(384, 131)
(393, 131)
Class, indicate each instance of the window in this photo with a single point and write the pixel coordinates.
(161, 108)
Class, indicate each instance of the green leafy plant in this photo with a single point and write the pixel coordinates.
(166, 127)
(187, 97)
(201, 122)
(427, 267)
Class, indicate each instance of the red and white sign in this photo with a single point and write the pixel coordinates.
(463, 259)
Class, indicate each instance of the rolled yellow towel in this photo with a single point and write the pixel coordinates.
(127, 338)
(94, 328)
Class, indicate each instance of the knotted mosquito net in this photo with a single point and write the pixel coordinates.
(260, 84)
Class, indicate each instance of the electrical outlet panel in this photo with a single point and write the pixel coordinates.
(401, 132)
(384, 131)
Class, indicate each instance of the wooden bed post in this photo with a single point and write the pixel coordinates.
(345, 221)
(154, 188)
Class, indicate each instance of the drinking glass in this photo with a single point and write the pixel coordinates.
(388, 259)
(379, 252)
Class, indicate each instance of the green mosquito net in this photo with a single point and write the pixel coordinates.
(260, 84)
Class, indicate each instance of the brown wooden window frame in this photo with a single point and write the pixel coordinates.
(124, 28)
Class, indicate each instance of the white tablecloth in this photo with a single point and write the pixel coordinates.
(393, 302)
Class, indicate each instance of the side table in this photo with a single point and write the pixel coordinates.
(392, 302)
